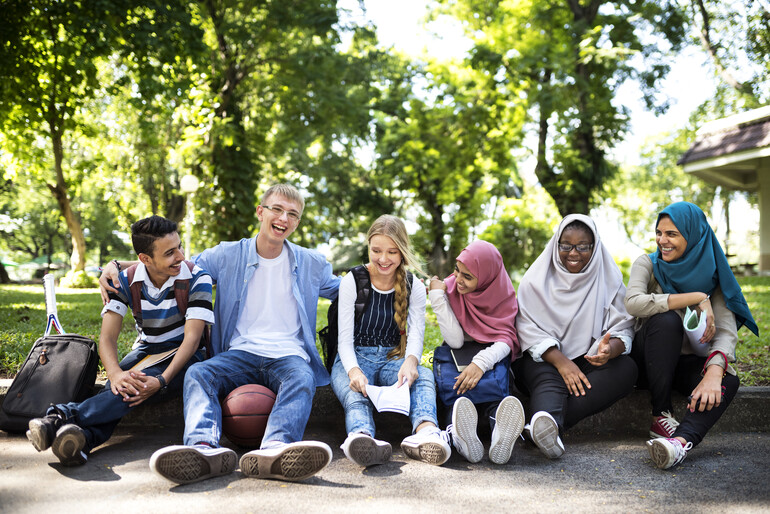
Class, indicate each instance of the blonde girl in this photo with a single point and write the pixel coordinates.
(384, 347)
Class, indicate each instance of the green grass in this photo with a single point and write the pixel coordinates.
(22, 321)
(754, 352)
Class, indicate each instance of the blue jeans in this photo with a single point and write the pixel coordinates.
(99, 415)
(380, 371)
(290, 378)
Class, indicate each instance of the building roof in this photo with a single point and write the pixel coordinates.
(743, 132)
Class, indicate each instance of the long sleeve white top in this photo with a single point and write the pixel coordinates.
(455, 336)
(346, 320)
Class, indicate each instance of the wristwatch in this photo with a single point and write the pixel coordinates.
(162, 380)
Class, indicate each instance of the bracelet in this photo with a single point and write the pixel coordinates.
(162, 381)
(116, 263)
(708, 359)
(707, 297)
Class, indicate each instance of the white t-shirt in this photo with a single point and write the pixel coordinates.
(269, 325)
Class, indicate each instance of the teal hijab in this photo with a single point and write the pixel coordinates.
(703, 265)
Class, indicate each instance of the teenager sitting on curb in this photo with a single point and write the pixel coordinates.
(72, 430)
(267, 296)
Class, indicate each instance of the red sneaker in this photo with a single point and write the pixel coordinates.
(664, 425)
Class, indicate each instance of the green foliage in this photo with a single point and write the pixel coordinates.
(562, 64)
(735, 36)
(30, 224)
(639, 193)
(79, 280)
(448, 151)
(49, 72)
(523, 229)
(283, 101)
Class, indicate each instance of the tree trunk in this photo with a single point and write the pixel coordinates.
(4, 278)
(59, 191)
(438, 256)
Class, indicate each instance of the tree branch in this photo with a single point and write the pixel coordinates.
(704, 34)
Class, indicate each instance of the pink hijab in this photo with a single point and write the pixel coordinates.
(488, 313)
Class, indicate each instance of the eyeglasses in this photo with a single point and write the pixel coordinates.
(292, 215)
(580, 248)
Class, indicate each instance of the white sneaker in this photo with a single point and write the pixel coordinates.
(292, 461)
(365, 450)
(509, 422)
(544, 432)
(187, 464)
(667, 452)
(429, 445)
(463, 430)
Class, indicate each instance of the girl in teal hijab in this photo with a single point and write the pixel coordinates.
(688, 271)
(703, 266)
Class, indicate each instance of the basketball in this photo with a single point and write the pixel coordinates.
(244, 414)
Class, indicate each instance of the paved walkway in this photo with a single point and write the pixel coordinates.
(606, 468)
(728, 472)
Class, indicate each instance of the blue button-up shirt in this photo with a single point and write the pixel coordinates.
(231, 265)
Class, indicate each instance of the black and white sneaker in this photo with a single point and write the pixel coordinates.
(429, 445)
(68, 445)
(42, 431)
(186, 464)
(365, 450)
(291, 462)
(544, 432)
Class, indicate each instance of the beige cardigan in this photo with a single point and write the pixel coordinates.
(645, 297)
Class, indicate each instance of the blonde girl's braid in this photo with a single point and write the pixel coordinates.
(400, 312)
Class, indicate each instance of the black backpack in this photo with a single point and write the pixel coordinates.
(60, 368)
(330, 333)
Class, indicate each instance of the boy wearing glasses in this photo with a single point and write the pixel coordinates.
(267, 296)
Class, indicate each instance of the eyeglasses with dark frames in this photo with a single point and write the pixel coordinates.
(292, 215)
(580, 248)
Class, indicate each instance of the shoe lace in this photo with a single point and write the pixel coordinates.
(446, 435)
(667, 421)
(681, 450)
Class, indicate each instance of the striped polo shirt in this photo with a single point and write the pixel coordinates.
(161, 320)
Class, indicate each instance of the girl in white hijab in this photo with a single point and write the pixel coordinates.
(575, 333)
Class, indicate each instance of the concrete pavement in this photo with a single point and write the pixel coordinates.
(606, 468)
(727, 472)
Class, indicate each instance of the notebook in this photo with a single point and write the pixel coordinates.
(465, 354)
(153, 359)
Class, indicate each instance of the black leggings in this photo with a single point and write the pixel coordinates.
(548, 392)
(662, 368)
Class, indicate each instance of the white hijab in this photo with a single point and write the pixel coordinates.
(573, 308)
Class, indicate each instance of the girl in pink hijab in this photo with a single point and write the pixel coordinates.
(477, 303)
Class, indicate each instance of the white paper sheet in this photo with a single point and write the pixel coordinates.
(694, 327)
(390, 398)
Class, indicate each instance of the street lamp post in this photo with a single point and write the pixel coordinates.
(188, 184)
